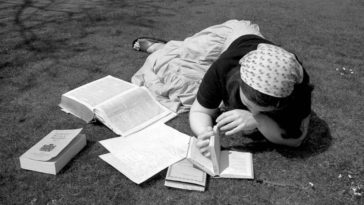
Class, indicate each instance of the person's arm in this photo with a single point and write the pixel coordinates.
(201, 123)
(272, 132)
(201, 118)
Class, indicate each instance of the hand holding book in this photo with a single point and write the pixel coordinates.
(223, 164)
(203, 141)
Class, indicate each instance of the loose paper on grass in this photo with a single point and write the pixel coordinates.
(141, 155)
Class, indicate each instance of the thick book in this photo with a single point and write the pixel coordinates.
(54, 151)
(121, 106)
(184, 175)
(222, 163)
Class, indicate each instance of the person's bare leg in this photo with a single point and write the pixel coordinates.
(147, 46)
(154, 47)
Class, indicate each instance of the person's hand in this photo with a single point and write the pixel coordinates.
(203, 141)
(235, 121)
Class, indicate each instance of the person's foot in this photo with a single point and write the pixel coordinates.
(147, 44)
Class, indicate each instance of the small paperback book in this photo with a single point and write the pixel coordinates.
(223, 164)
(184, 175)
(121, 106)
(54, 151)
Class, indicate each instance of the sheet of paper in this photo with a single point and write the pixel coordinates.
(235, 164)
(100, 90)
(184, 171)
(52, 144)
(131, 111)
(147, 152)
(121, 167)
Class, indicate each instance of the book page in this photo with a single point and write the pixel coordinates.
(51, 145)
(147, 152)
(99, 90)
(196, 158)
(184, 185)
(130, 111)
(184, 171)
(235, 164)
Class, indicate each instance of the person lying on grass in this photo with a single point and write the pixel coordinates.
(261, 86)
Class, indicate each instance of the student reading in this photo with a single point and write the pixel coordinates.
(262, 86)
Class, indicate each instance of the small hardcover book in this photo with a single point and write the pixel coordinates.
(54, 151)
(184, 175)
(223, 164)
(121, 106)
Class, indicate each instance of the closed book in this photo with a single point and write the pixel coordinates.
(184, 175)
(54, 151)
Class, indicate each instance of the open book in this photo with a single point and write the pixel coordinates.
(142, 154)
(123, 107)
(224, 164)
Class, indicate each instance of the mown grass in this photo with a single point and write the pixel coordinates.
(50, 47)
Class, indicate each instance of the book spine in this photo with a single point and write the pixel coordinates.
(76, 147)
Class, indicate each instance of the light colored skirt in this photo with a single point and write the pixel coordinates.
(173, 74)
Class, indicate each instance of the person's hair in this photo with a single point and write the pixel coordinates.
(262, 99)
(289, 112)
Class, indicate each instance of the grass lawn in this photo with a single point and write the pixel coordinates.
(48, 47)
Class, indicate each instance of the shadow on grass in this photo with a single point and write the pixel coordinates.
(318, 140)
(83, 152)
(41, 23)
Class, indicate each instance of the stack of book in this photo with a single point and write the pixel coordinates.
(190, 173)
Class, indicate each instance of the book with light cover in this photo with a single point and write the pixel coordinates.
(223, 164)
(184, 175)
(54, 151)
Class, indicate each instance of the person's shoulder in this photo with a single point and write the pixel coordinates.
(229, 59)
(248, 41)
